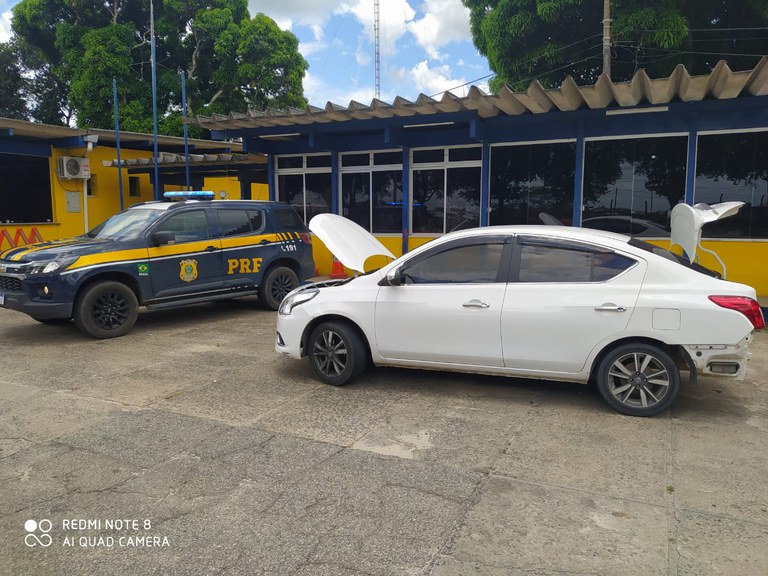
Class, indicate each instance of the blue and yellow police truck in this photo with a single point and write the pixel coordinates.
(159, 255)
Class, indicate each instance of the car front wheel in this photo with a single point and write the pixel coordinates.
(638, 379)
(337, 353)
(106, 310)
(277, 284)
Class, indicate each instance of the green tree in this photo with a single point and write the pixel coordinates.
(12, 84)
(551, 39)
(232, 61)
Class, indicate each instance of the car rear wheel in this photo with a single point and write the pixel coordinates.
(337, 353)
(277, 284)
(106, 310)
(638, 379)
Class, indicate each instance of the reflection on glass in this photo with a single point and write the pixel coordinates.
(630, 186)
(290, 189)
(387, 200)
(462, 199)
(318, 194)
(428, 201)
(355, 198)
(530, 179)
(734, 167)
(466, 264)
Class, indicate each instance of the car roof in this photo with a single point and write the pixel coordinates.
(565, 232)
(168, 205)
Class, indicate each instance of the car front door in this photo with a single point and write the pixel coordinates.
(564, 298)
(191, 260)
(448, 308)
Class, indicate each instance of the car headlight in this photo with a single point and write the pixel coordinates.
(49, 266)
(295, 298)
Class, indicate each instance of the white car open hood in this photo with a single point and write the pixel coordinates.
(351, 244)
(687, 222)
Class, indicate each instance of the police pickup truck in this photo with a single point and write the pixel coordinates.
(159, 254)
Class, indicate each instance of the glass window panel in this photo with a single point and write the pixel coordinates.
(631, 186)
(319, 161)
(290, 162)
(291, 190)
(318, 194)
(186, 226)
(551, 264)
(734, 167)
(257, 220)
(356, 198)
(355, 159)
(428, 201)
(464, 154)
(531, 182)
(607, 265)
(477, 263)
(289, 219)
(462, 202)
(25, 189)
(384, 158)
(233, 222)
(387, 198)
(425, 156)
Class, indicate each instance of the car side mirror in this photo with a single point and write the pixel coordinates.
(163, 237)
(393, 278)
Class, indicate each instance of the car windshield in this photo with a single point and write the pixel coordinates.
(672, 256)
(125, 225)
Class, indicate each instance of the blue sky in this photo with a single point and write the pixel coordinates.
(426, 46)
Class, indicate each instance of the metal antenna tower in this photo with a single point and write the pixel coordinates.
(377, 58)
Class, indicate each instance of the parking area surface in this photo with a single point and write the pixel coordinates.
(189, 447)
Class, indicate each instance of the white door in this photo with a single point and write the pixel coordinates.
(562, 300)
(448, 308)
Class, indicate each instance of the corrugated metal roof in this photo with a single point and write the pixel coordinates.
(720, 84)
(169, 160)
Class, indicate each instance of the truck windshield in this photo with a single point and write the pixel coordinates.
(125, 225)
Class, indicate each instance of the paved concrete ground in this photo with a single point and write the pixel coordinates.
(243, 464)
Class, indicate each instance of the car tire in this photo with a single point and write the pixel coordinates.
(106, 310)
(278, 282)
(337, 353)
(638, 379)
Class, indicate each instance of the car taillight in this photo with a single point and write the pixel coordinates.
(747, 306)
(306, 238)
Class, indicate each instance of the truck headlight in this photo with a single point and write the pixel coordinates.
(295, 298)
(49, 266)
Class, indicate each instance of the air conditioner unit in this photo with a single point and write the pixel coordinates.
(70, 168)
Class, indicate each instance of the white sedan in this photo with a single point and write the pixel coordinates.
(547, 302)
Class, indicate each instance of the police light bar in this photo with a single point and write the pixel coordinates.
(190, 195)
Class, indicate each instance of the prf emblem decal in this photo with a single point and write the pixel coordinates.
(188, 271)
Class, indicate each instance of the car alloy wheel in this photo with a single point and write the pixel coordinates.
(638, 379)
(337, 353)
(110, 310)
(106, 309)
(278, 282)
(281, 286)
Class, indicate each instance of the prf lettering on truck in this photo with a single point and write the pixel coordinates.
(243, 265)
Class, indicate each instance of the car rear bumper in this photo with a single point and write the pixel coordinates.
(729, 361)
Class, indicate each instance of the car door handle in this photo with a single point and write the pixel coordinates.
(476, 304)
(211, 249)
(610, 307)
(264, 242)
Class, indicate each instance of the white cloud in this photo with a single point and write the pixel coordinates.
(444, 21)
(5, 26)
(431, 81)
(318, 92)
(393, 18)
(318, 45)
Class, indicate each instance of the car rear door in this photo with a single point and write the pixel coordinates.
(448, 309)
(563, 298)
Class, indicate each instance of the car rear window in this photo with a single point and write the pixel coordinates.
(673, 257)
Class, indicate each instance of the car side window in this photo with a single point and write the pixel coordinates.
(187, 226)
(547, 263)
(257, 220)
(474, 263)
(233, 222)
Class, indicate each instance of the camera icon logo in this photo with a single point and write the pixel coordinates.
(38, 533)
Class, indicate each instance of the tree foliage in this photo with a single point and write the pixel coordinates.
(551, 39)
(72, 49)
(12, 84)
